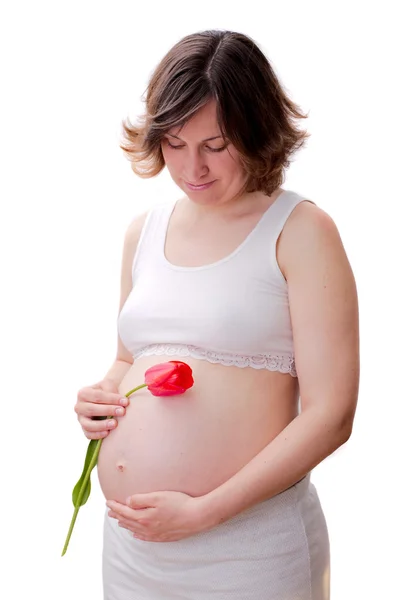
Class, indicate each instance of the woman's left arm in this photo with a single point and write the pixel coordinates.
(324, 315)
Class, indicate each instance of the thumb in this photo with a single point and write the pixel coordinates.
(140, 501)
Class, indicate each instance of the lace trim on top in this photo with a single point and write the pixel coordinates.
(272, 362)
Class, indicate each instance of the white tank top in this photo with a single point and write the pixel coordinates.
(234, 311)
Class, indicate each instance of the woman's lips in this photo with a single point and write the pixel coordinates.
(198, 188)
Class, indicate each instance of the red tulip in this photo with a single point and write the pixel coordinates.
(169, 379)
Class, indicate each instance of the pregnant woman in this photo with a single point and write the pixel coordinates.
(209, 493)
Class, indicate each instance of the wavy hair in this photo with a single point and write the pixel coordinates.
(254, 112)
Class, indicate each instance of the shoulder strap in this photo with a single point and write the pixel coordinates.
(151, 239)
(273, 225)
(282, 208)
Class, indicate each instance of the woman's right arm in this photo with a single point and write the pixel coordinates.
(103, 399)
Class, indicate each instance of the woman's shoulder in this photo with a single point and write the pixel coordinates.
(134, 228)
(310, 234)
(137, 223)
(306, 220)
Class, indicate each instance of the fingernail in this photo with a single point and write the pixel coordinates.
(124, 401)
(111, 424)
(119, 411)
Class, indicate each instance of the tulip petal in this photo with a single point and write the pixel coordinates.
(169, 379)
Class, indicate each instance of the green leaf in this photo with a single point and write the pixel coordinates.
(87, 490)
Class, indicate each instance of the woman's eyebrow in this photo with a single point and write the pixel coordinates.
(206, 140)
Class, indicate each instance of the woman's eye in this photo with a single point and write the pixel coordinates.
(172, 146)
(177, 147)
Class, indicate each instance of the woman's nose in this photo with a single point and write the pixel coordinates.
(195, 168)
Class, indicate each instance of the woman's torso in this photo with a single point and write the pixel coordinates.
(194, 442)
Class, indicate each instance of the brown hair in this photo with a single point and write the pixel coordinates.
(253, 111)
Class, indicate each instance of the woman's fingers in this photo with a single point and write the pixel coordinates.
(95, 411)
(99, 396)
(91, 426)
(97, 435)
(94, 405)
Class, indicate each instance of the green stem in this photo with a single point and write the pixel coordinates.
(81, 493)
(136, 388)
(87, 475)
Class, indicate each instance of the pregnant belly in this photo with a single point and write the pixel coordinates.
(192, 442)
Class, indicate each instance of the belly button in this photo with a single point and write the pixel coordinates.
(120, 466)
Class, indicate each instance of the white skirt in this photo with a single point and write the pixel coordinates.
(275, 550)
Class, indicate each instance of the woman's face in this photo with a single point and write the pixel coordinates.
(197, 155)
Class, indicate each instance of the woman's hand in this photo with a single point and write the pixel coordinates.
(97, 402)
(159, 516)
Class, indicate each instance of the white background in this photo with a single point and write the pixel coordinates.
(70, 72)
